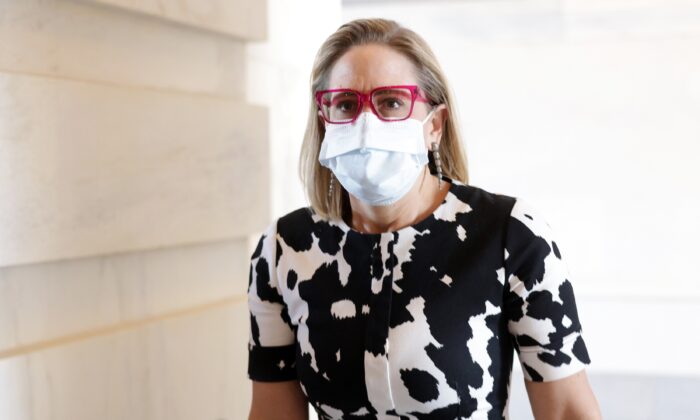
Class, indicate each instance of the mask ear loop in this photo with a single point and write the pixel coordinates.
(430, 114)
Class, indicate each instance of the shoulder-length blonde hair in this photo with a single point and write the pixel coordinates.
(431, 80)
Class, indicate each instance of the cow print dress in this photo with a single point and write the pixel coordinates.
(417, 323)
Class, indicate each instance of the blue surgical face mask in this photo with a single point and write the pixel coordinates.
(376, 161)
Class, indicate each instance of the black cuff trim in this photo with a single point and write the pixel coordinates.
(272, 364)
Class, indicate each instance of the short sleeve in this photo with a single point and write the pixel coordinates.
(271, 345)
(539, 299)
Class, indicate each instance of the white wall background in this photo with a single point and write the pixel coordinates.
(279, 71)
(590, 109)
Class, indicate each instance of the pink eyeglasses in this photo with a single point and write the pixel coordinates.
(388, 103)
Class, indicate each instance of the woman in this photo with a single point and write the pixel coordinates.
(402, 291)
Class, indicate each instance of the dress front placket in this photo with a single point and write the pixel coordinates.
(377, 374)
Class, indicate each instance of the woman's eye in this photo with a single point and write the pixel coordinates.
(392, 103)
(345, 106)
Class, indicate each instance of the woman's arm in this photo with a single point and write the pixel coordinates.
(569, 398)
(278, 400)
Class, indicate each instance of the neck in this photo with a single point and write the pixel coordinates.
(421, 200)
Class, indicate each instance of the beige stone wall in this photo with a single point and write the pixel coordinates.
(133, 172)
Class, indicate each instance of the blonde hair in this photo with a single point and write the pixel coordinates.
(431, 81)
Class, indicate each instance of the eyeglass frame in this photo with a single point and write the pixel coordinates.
(416, 94)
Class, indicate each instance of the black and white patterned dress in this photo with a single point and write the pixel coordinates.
(419, 323)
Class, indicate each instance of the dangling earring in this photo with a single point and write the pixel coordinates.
(434, 147)
(330, 187)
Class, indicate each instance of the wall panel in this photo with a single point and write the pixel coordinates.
(89, 42)
(55, 301)
(88, 169)
(239, 18)
(178, 368)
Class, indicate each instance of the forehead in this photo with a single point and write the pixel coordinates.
(364, 67)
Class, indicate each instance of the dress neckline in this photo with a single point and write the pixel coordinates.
(420, 225)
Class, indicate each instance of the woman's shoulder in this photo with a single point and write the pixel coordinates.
(301, 216)
(480, 199)
(300, 227)
(508, 208)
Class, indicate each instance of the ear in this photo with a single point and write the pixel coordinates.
(436, 123)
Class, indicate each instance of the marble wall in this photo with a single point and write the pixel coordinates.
(135, 171)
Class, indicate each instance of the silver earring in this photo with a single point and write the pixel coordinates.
(434, 147)
(330, 187)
